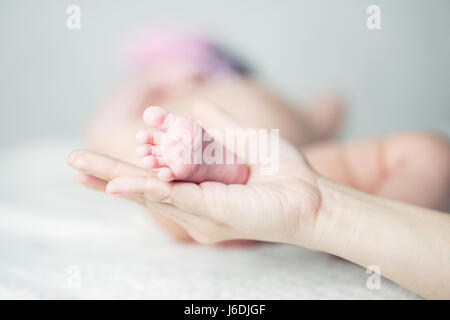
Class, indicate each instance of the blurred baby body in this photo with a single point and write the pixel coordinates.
(179, 70)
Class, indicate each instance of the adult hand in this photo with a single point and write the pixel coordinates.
(408, 244)
(282, 207)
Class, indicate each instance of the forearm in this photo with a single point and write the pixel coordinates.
(410, 245)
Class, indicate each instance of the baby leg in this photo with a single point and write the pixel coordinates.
(410, 167)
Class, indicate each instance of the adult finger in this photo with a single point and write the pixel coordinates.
(226, 129)
(102, 166)
(153, 188)
(212, 200)
(90, 181)
(97, 184)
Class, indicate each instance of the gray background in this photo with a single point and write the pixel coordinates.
(51, 79)
(394, 79)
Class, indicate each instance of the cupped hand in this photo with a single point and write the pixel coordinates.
(280, 207)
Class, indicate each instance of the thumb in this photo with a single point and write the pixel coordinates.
(212, 117)
(226, 129)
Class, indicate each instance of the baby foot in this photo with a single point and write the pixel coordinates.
(182, 150)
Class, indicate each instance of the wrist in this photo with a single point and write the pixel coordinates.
(343, 214)
(330, 217)
(406, 242)
(327, 228)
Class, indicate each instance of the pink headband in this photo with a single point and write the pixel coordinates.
(153, 47)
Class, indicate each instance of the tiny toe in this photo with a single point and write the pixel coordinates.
(156, 151)
(143, 150)
(151, 162)
(161, 162)
(157, 138)
(143, 137)
(165, 174)
(155, 116)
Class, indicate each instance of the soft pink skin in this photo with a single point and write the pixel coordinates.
(172, 66)
(161, 150)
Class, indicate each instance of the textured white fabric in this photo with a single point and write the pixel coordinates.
(59, 240)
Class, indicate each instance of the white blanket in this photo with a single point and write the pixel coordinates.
(60, 241)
